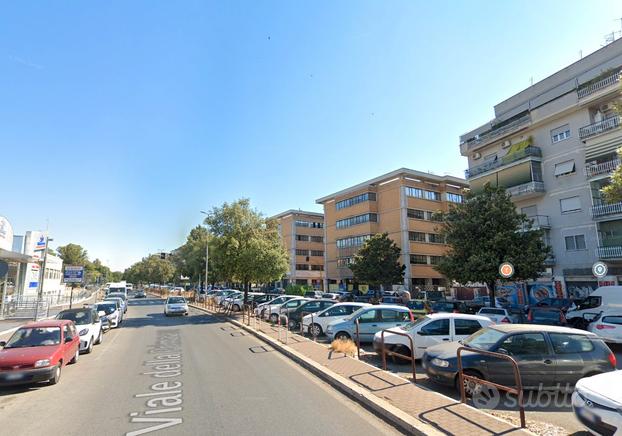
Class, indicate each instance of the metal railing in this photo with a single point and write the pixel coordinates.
(385, 352)
(517, 390)
(302, 324)
(526, 188)
(609, 123)
(606, 209)
(590, 89)
(592, 170)
(531, 151)
(613, 252)
(499, 131)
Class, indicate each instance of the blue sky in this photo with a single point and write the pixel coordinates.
(121, 120)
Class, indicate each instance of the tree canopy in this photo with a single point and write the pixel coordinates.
(378, 262)
(73, 254)
(612, 193)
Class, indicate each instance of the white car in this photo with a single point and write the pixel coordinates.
(112, 310)
(222, 294)
(608, 326)
(335, 312)
(497, 314)
(264, 310)
(597, 403)
(88, 325)
(236, 303)
(175, 306)
(290, 305)
(120, 296)
(432, 329)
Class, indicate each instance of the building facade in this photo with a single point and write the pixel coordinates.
(302, 234)
(401, 203)
(553, 146)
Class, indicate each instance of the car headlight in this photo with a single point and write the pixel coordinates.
(83, 332)
(41, 363)
(440, 362)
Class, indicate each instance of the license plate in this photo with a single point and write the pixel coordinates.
(14, 376)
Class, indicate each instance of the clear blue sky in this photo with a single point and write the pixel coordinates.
(121, 120)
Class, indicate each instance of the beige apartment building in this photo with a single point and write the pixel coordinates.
(553, 146)
(302, 234)
(400, 203)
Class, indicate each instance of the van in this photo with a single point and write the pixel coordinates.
(601, 299)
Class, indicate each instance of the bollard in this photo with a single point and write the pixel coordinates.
(358, 341)
(286, 329)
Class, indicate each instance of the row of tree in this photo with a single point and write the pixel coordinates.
(96, 271)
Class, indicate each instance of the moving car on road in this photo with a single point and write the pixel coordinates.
(597, 403)
(371, 320)
(140, 294)
(38, 351)
(175, 306)
(547, 356)
(317, 324)
(88, 325)
(111, 311)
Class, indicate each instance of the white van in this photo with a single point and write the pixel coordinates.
(118, 287)
(601, 299)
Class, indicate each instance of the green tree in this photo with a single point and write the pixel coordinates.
(612, 193)
(73, 254)
(485, 231)
(378, 262)
(151, 269)
(115, 276)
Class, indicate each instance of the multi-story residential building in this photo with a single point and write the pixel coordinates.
(401, 203)
(553, 146)
(302, 234)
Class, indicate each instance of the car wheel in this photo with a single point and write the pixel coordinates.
(403, 350)
(262, 314)
(274, 318)
(236, 307)
(90, 347)
(471, 388)
(100, 338)
(315, 329)
(55, 379)
(76, 357)
(342, 336)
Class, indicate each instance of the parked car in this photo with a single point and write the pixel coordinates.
(110, 310)
(121, 296)
(175, 306)
(222, 294)
(449, 307)
(119, 304)
(564, 304)
(287, 307)
(430, 296)
(38, 351)
(497, 315)
(295, 316)
(88, 325)
(431, 330)
(236, 301)
(177, 290)
(313, 294)
(474, 305)
(597, 403)
(608, 326)
(371, 320)
(316, 325)
(390, 299)
(546, 315)
(603, 298)
(419, 307)
(547, 356)
(265, 310)
(345, 296)
(331, 295)
(140, 294)
(364, 298)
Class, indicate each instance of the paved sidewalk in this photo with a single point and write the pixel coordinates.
(443, 413)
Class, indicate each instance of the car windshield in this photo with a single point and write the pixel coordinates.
(176, 300)
(117, 295)
(483, 339)
(355, 314)
(415, 323)
(107, 308)
(34, 337)
(79, 317)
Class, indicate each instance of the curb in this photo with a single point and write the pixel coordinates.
(385, 410)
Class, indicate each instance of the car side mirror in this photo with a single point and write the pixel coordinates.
(2, 343)
(503, 351)
(589, 317)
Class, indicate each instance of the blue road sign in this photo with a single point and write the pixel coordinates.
(73, 274)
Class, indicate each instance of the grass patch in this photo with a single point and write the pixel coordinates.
(347, 347)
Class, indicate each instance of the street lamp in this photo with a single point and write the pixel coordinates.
(206, 255)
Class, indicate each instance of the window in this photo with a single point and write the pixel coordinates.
(454, 198)
(416, 236)
(525, 344)
(416, 214)
(566, 167)
(435, 238)
(568, 344)
(560, 133)
(369, 316)
(354, 241)
(337, 311)
(466, 327)
(368, 196)
(613, 320)
(389, 315)
(302, 252)
(317, 253)
(414, 192)
(344, 262)
(433, 195)
(317, 225)
(435, 260)
(570, 204)
(312, 305)
(575, 242)
(317, 238)
(303, 224)
(302, 267)
(354, 220)
(317, 267)
(431, 216)
(439, 327)
(419, 259)
(304, 238)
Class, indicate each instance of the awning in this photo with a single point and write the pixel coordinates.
(13, 256)
(564, 168)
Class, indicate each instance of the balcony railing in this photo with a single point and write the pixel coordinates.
(530, 151)
(592, 170)
(613, 252)
(526, 188)
(597, 86)
(497, 132)
(539, 222)
(610, 123)
(606, 209)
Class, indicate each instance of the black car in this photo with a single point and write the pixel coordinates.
(140, 294)
(313, 306)
(449, 307)
(547, 356)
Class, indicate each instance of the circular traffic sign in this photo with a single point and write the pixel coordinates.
(506, 269)
(599, 269)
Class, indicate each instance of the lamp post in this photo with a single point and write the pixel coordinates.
(42, 274)
(206, 256)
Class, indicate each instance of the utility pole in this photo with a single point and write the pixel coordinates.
(206, 255)
(42, 275)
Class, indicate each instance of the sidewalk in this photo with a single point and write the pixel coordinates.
(437, 412)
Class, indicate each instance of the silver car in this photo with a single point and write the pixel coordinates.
(175, 306)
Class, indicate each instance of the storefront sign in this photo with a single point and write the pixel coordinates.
(6, 234)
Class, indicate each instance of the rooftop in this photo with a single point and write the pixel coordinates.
(297, 212)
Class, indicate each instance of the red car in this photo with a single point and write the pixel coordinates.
(38, 351)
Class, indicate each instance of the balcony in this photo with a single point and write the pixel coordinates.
(498, 132)
(526, 189)
(613, 252)
(530, 151)
(606, 82)
(539, 222)
(603, 210)
(593, 170)
(606, 125)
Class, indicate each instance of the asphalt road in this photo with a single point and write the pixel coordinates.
(185, 375)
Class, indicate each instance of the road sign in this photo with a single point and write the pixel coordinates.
(73, 274)
(506, 270)
(599, 269)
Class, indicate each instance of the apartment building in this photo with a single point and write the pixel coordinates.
(400, 203)
(553, 146)
(302, 234)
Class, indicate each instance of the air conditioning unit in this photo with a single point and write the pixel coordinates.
(476, 156)
(506, 143)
